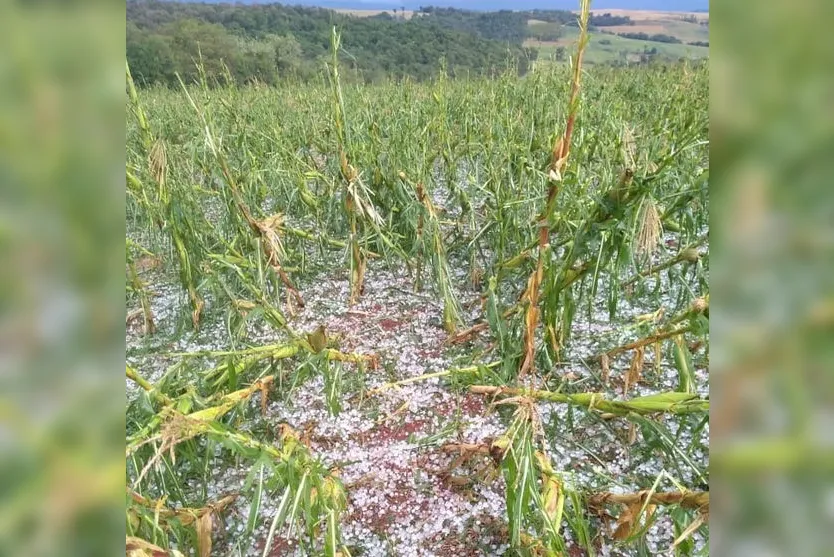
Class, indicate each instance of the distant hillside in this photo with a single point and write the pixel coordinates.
(497, 5)
(271, 42)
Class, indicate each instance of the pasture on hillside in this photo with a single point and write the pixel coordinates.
(608, 48)
(453, 318)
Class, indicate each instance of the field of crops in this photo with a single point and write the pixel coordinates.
(607, 48)
(452, 318)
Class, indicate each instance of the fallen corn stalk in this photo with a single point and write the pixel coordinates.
(689, 254)
(318, 236)
(426, 376)
(205, 415)
(672, 402)
(393, 384)
(137, 547)
(463, 336)
(319, 487)
(698, 306)
(277, 352)
(698, 500)
(651, 339)
(134, 376)
(185, 515)
(251, 356)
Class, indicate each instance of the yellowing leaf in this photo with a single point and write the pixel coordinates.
(204, 535)
(627, 521)
(137, 547)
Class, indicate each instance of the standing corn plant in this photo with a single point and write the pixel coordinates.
(430, 243)
(558, 161)
(359, 206)
(266, 232)
(166, 208)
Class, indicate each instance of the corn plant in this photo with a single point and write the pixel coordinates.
(310, 498)
(166, 207)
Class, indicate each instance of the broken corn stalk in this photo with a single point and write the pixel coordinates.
(672, 402)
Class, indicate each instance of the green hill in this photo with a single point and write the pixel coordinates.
(272, 42)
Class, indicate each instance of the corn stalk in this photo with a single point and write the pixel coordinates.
(167, 207)
(265, 230)
(558, 161)
(311, 494)
(671, 402)
(534, 494)
(138, 287)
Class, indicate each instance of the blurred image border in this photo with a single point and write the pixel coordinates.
(772, 284)
(62, 298)
(61, 279)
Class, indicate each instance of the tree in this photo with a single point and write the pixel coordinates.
(257, 63)
(194, 41)
(254, 42)
(288, 55)
(149, 57)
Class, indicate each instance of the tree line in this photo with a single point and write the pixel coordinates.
(504, 25)
(269, 43)
(516, 26)
(608, 20)
(657, 37)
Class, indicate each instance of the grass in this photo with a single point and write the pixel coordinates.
(535, 208)
(684, 30)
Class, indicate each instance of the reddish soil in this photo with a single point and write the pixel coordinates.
(473, 405)
(389, 324)
(391, 431)
(280, 547)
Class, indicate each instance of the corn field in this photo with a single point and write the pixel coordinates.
(463, 317)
